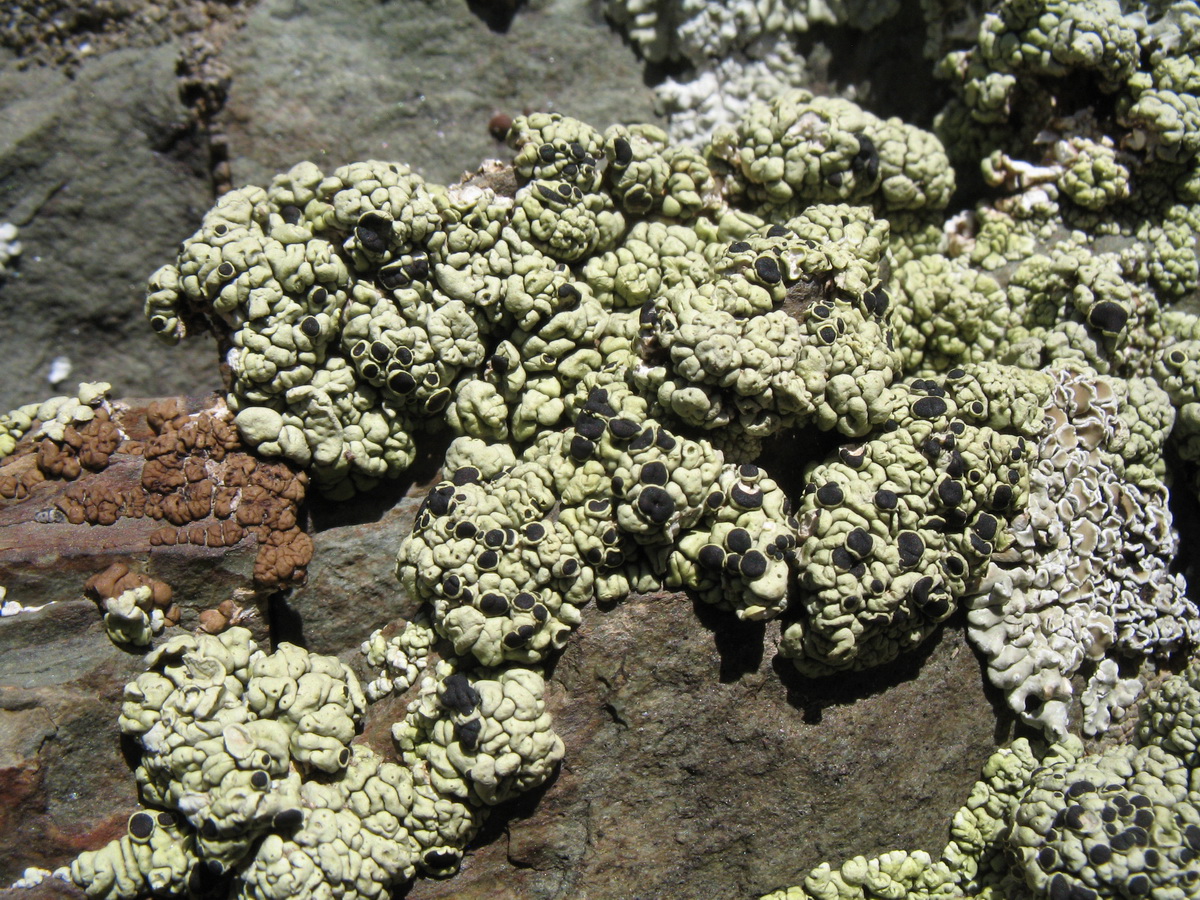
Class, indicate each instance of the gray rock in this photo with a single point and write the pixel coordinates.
(352, 587)
(414, 82)
(103, 177)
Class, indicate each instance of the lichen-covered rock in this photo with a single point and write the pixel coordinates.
(892, 874)
(358, 307)
(1171, 717)
(740, 555)
(352, 303)
(649, 175)
(212, 752)
(1125, 821)
(1103, 305)
(1056, 298)
(247, 769)
(220, 724)
(725, 56)
(403, 657)
(653, 258)
(51, 418)
(1058, 822)
(1177, 369)
(167, 473)
(1012, 106)
(505, 581)
(664, 30)
(974, 862)
(130, 617)
(618, 329)
(1023, 50)
(507, 551)
(1161, 110)
(135, 606)
(946, 313)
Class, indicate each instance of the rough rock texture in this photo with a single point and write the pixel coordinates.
(649, 805)
(86, 164)
(67, 31)
(64, 783)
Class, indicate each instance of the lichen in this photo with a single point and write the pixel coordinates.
(773, 368)
(247, 770)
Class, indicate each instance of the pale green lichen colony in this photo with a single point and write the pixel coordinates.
(246, 767)
(618, 328)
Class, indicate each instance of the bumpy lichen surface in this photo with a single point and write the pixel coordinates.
(247, 769)
(10, 247)
(135, 606)
(506, 554)
(774, 369)
(51, 418)
(362, 307)
(898, 527)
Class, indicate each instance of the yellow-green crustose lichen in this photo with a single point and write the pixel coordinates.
(246, 766)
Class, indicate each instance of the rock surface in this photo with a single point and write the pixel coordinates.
(64, 782)
(103, 178)
(415, 82)
(694, 770)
